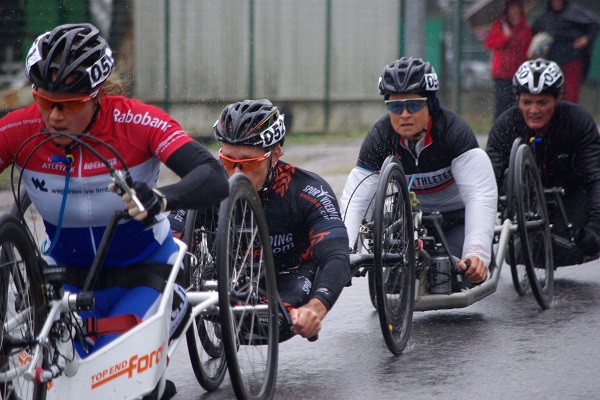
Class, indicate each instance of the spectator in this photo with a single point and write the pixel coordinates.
(573, 30)
(508, 40)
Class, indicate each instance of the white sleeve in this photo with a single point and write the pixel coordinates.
(476, 183)
(356, 200)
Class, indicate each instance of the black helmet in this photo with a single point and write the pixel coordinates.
(251, 123)
(408, 75)
(539, 76)
(72, 50)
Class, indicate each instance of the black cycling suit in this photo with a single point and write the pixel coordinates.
(308, 237)
(568, 156)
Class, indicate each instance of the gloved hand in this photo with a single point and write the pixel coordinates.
(414, 202)
(588, 241)
(152, 199)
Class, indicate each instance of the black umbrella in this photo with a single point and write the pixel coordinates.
(481, 14)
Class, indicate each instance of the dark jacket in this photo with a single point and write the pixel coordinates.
(568, 155)
(565, 26)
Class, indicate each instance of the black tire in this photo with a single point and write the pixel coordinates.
(204, 338)
(372, 290)
(518, 270)
(534, 227)
(394, 257)
(20, 297)
(248, 299)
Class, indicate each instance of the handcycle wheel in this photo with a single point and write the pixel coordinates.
(26, 212)
(248, 298)
(518, 270)
(372, 289)
(394, 256)
(22, 311)
(204, 338)
(533, 226)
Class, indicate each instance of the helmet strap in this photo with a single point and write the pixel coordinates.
(271, 174)
(94, 117)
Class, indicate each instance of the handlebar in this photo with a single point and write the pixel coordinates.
(124, 184)
(286, 315)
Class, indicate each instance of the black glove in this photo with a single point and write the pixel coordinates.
(153, 201)
(588, 241)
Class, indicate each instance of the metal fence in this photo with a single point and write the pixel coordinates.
(312, 54)
(318, 59)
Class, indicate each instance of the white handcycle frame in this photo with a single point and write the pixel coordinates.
(132, 365)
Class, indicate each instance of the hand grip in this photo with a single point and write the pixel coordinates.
(468, 264)
(123, 185)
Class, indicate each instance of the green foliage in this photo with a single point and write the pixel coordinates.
(480, 123)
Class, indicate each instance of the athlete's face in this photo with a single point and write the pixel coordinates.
(68, 117)
(410, 125)
(257, 175)
(537, 109)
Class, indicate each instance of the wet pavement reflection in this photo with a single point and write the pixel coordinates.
(502, 347)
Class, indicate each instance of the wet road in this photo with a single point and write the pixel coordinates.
(503, 347)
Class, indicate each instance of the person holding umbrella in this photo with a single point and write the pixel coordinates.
(573, 30)
(508, 40)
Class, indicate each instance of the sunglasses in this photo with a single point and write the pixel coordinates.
(410, 105)
(247, 164)
(67, 106)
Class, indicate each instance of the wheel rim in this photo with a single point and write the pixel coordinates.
(394, 259)
(205, 344)
(21, 313)
(248, 295)
(534, 229)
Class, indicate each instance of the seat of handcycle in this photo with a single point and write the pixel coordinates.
(150, 275)
(455, 295)
(132, 365)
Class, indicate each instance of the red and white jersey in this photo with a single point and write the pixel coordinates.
(142, 134)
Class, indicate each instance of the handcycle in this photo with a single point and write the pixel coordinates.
(40, 321)
(243, 338)
(210, 355)
(404, 254)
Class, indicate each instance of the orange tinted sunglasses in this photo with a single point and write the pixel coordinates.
(67, 106)
(247, 164)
